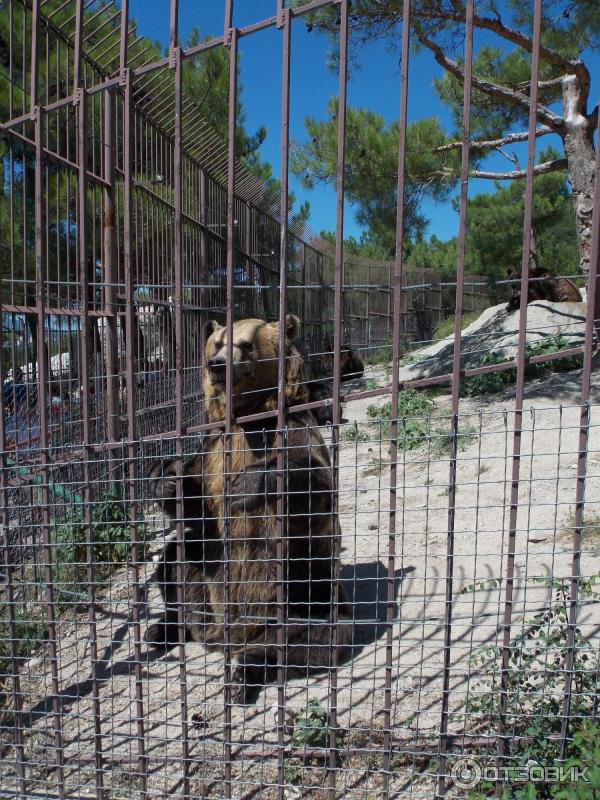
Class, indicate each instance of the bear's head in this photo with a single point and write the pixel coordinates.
(254, 368)
(351, 364)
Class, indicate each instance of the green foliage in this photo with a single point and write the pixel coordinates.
(494, 220)
(29, 633)
(442, 437)
(495, 234)
(414, 418)
(535, 682)
(311, 728)
(382, 355)
(355, 434)
(372, 164)
(491, 382)
(495, 226)
(446, 327)
(110, 533)
(585, 754)
(488, 382)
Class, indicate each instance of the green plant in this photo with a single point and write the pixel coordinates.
(29, 632)
(374, 467)
(551, 344)
(446, 326)
(110, 533)
(354, 434)
(488, 382)
(535, 687)
(413, 358)
(414, 418)
(379, 356)
(441, 436)
(584, 755)
(367, 385)
(491, 382)
(311, 728)
(293, 771)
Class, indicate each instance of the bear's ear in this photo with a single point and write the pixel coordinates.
(211, 326)
(292, 326)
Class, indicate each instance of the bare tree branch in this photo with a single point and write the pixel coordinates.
(494, 90)
(491, 144)
(525, 85)
(558, 165)
(571, 66)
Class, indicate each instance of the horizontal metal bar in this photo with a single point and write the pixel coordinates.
(56, 157)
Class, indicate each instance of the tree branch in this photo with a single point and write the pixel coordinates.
(558, 165)
(494, 90)
(572, 66)
(525, 85)
(491, 144)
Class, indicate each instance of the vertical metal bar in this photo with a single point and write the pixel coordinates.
(7, 567)
(281, 379)
(173, 33)
(124, 36)
(35, 53)
(584, 429)
(77, 82)
(232, 36)
(204, 291)
(110, 329)
(87, 439)
(132, 447)
(443, 743)
(396, 332)
(337, 350)
(176, 57)
(250, 268)
(518, 426)
(42, 386)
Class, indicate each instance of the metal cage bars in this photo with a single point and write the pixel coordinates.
(124, 84)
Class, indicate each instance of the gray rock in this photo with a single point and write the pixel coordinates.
(497, 331)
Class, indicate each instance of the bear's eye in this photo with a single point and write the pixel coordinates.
(245, 346)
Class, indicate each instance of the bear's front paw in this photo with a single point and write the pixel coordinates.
(163, 480)
(162, 635)
(252, 488)
(247, 684)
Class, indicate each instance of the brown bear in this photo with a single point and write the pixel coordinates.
(249, 588)
(543, 286)
(351, 366)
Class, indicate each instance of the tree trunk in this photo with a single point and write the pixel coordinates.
(579, 148)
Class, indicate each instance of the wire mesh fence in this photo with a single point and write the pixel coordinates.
(213, 583)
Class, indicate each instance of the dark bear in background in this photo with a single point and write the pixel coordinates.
(251, 553)
(543, 286)
(351, 367)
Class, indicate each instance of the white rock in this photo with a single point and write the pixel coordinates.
(496, 331)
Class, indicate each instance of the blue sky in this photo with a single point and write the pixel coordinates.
(375, 86)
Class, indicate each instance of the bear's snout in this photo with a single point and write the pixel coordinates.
(216, 367)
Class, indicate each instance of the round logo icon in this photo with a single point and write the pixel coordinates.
(465, 773)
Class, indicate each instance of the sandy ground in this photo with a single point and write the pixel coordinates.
(414, 648)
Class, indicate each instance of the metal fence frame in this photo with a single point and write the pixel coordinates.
(121, 436)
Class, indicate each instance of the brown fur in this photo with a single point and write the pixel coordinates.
(543, 286)
(251, 560)
(351, 364)
(351, 367)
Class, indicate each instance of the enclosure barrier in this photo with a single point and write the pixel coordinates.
(394, 604)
